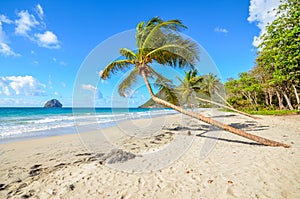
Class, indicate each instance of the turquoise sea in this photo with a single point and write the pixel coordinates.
(26, 123)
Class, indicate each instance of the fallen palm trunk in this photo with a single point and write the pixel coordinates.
(208, 120)
(230, 108)
(223, 99)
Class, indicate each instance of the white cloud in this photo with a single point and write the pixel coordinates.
(21, 85)
(56, 93)
(93, 89)
(4, 19)
(40, 11)
(25, 23)
(48, 40)
(31, 27)
(5, 49)
(262, 12)
(88, 87)
(223, 30)
(63, 84)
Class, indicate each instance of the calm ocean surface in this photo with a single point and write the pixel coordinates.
(25, 123)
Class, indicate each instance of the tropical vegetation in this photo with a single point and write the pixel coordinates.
(158, 41)
(274, 82)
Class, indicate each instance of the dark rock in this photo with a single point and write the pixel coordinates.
(34, 172)
(71, 187)
(26, 196)
(2, 186)
(35, 166)
(54, 103)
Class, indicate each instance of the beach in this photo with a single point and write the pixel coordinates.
(173, 156)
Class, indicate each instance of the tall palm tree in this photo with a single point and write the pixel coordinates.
(189, 85)
(158, 41)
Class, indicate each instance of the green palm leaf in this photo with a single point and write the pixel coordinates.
(115, 66)
(127, 53)
(128, 81)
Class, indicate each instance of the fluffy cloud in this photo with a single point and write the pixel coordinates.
(223, 30)
(262, 12)
(5, 49)
(4, 19)
(21, 85)
(31, 26)
(48, 40)
(25, 23)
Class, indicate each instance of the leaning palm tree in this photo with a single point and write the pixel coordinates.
(189, 85)
(158, 41)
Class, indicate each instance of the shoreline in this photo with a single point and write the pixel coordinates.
(73, 129)
(231, 166)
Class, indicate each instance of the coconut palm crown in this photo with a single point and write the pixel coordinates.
(157, 41)
(189, 85)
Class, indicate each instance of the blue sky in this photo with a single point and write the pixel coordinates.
(44, 43)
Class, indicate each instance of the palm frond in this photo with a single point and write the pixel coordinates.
(154, 30)
(154, 21)
(169, 92)
(140, 26)
(114, 67)
(183, 54)
(127, 53)
(196, 80)
(128, 81)
(158, 76)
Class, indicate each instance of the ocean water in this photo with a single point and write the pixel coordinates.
(25, 123)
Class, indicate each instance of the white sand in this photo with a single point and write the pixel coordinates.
(171, 163)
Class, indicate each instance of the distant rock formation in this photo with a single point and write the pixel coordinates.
(54, 103)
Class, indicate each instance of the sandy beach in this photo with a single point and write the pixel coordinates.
(171, 157)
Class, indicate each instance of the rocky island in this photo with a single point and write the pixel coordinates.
(54, 103)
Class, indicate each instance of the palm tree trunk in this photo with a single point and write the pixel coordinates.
(224, 100)
(208, 120)
(230, 108)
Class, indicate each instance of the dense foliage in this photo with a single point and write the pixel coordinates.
(274, 81)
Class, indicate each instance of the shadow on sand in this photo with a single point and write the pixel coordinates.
(247, 126)
(227, 140)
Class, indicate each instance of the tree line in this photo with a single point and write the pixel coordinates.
(274, 82)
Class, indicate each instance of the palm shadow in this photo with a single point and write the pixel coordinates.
(247, 126)
(227, 140)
